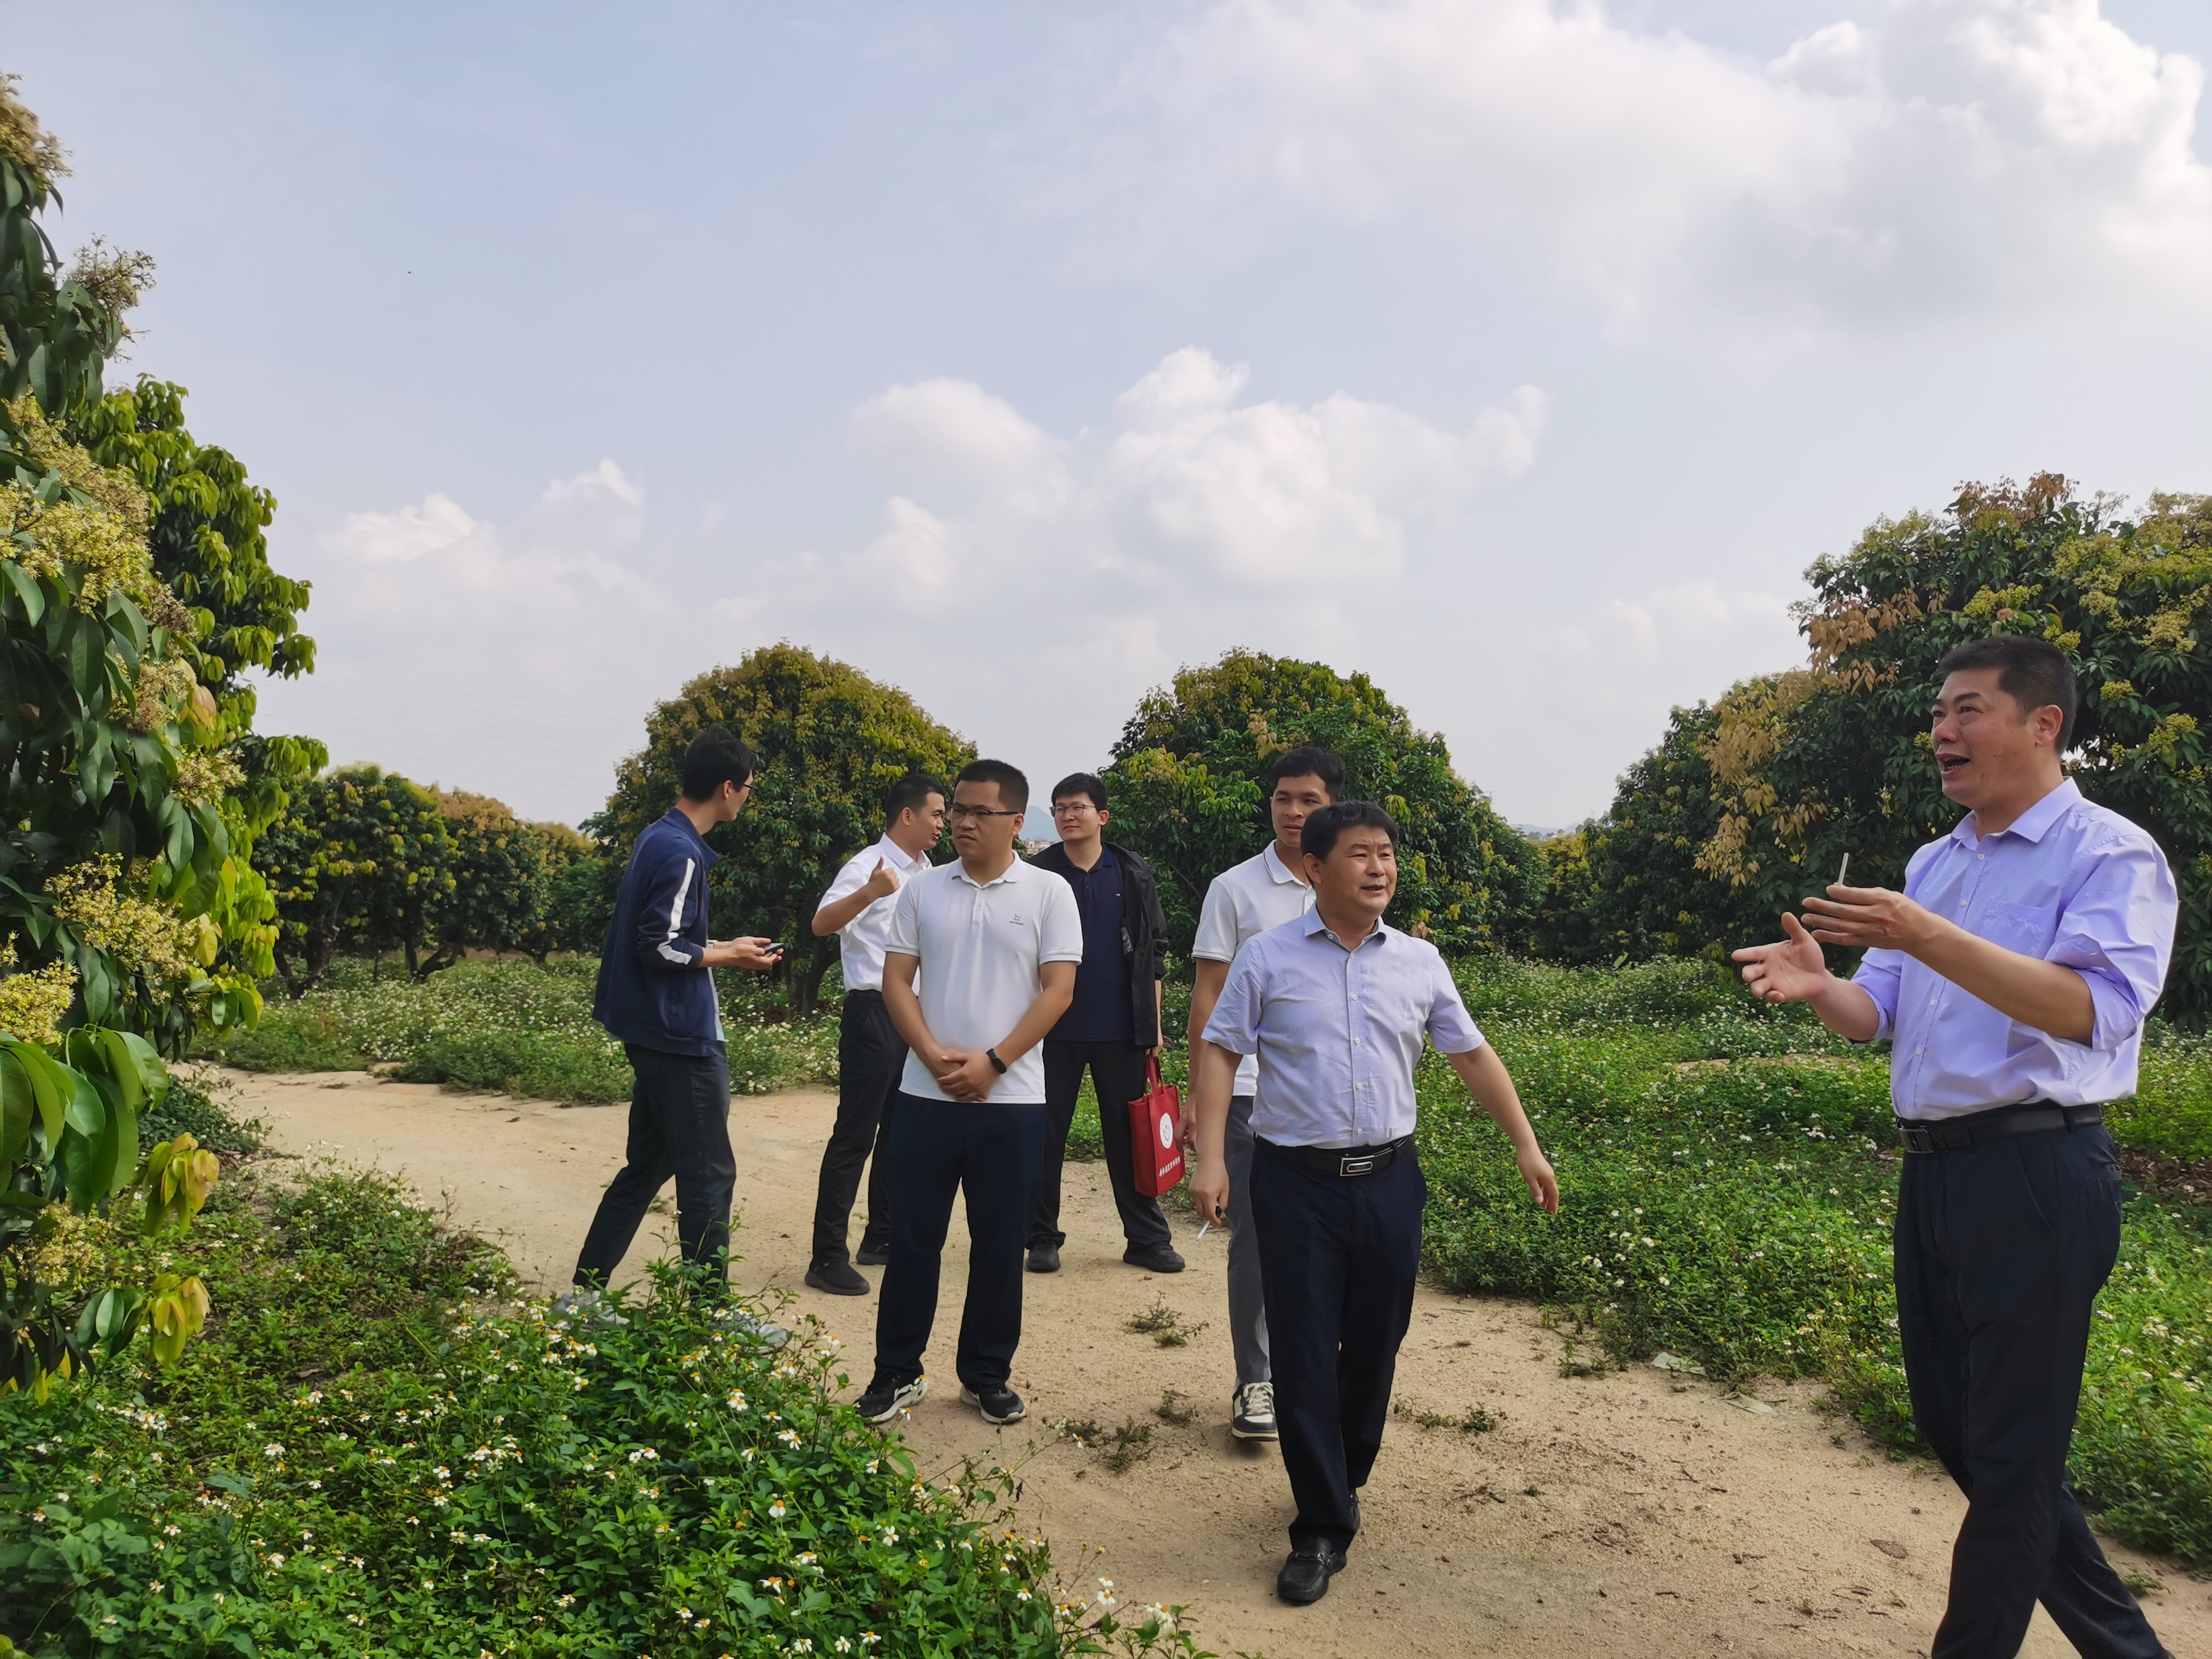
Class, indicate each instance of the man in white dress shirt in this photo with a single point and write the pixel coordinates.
(1337, 1007)
(870, 1054)
(1245, 901)
(994, 942)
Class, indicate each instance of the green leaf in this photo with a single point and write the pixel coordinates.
(19, 1104)
(27, 590)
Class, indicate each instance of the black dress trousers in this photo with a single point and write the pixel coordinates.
(1118, 1074)
(1338, 1260)
(2001, 1251)
(870, 1058)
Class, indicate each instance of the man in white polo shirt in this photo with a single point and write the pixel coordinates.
(1243, 901)
(996, 942)
(870, 1054)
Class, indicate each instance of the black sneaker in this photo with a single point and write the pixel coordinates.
(887, 1397)
(869, 1256)
(1044, 1258)
(998, 1403)
(838, 1278)
(1154, 1258)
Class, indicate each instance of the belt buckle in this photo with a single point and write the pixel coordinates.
(1918, 1137)
(1349, 1165)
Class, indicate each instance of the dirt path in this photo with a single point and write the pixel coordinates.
(1629, 1514)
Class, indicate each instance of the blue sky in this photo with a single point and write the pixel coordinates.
(1520, 354)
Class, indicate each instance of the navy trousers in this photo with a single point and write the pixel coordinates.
(2001, 1251)
(871, 1055)
(939, 1148)
(679, 1126)
(1338, 1258)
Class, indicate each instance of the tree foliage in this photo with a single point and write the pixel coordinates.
(1188, 784)
(128, 911)
(830, 741)
(1834, 756)
(365, 860)
(1627, 885)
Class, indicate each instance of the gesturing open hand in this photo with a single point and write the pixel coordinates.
(1790, 970)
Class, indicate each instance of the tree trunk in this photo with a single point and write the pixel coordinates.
(805, 990)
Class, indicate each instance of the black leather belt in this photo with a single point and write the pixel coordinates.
(1962, 1135)
(1343, 1161)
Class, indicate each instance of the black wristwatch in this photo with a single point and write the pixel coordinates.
(991, 1055)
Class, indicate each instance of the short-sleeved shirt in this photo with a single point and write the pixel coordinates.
(2070, 882)
(1338, 1032)
(980, 949)
(1242, 903)
(1101, 1011)
(861, 941)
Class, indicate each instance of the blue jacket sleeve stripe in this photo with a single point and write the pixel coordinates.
(660, 941)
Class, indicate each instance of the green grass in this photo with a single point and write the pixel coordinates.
(1728, 1187)
(507, 1027)
(374, 1450)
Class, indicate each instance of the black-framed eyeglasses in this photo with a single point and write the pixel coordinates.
(954, 814)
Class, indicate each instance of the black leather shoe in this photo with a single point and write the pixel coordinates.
(1305, 1576)
(1044, 1258)
(869, 1256)
(1154, 1258)
(838, 1278)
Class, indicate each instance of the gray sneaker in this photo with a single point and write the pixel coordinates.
(770, 1337)
(1253, 1411)
(586, 1303)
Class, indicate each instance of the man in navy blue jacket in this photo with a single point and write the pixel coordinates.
(656, 996)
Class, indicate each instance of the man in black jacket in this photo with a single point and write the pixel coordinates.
(1111, 1027)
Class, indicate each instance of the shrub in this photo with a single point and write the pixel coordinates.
(364, 1457)
(510, 1027)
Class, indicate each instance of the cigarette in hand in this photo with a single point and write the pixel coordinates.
(1843, 869)
(1202, 1229)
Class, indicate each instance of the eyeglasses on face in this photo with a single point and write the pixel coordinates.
(955, 813)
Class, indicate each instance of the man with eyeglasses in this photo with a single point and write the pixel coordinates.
(1113, 1026)
(995, 943)
(856, 908)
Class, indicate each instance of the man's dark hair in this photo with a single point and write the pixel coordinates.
(1308, 763)
(912, 791)
(717, 756)
(1081, 783)
(1319, 837)
(2033, 673)
(1013, 787)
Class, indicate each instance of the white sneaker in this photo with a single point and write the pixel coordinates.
(1253, 1411)
(587, 1303)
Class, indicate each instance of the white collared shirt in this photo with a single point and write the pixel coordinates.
(1338, 1032)
(861, 941)
(1242, 903)
(980, 949)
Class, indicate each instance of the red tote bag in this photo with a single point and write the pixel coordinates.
(1155, 1136)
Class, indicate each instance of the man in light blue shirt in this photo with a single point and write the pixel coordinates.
(2012, 975)
(1339, 1006)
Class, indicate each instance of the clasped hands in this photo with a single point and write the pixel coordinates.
(963, 1074)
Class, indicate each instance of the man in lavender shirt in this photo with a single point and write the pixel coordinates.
(2012, 976)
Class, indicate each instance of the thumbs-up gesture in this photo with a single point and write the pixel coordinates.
(883, 883)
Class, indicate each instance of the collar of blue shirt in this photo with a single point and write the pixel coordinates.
(2030, 825)
(1314, 924)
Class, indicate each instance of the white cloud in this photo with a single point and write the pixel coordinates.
(1185, 490)
(1949, 155)
(436, 524)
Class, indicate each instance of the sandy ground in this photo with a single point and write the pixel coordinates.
(1636, 1513)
